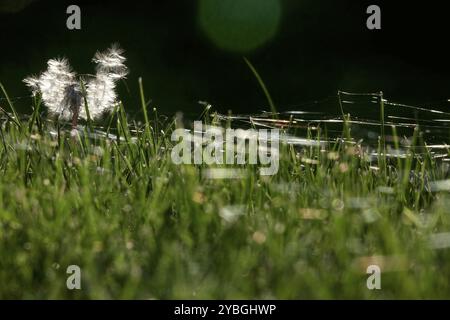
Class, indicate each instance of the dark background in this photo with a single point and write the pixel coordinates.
(320, 46)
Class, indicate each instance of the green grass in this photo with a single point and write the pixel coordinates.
(141, 227)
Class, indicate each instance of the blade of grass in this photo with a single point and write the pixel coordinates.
(148, 132)
(86, 108)
(11, 106)
(263, 87)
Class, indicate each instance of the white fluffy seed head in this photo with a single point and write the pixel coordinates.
(52, 85)
(61, 90)
(111, 62)
(100, 95)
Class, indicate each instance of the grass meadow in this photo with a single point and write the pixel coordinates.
(140, 227)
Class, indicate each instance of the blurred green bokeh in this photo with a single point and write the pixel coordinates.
(10, 6)
(239, 25)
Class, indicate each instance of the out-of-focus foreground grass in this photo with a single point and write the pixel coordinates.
(142, 227)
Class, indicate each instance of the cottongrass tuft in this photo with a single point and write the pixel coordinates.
(111, 62)
(61, 88)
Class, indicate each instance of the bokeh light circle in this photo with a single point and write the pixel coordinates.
(239, 25)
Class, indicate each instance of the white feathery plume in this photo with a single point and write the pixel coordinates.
(33, 83)
(100, 91)
(61, 90)
(111, 62)
(53, 85)
(100, 95)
